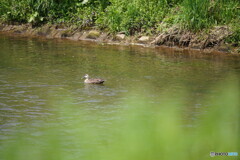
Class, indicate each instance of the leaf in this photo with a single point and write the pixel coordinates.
(85, 1)
(31, 19)
(35, 14)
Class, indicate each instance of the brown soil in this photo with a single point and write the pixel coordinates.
(213, 41)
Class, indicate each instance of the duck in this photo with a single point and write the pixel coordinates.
(92, 81)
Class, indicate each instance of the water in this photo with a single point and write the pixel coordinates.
(38, 76)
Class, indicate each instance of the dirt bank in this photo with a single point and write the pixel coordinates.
(213, 41)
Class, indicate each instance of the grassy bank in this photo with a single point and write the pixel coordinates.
(131, 17)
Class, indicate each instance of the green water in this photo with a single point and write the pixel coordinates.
(38, 76)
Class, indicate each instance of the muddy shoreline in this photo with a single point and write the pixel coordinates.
(213, 42)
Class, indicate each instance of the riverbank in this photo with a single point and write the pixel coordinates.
(192, 24)
(213, 41)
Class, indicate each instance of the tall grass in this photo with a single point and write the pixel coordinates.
(195, 14)
(199, 14)
(130, 17)
(37, 11)
(133, 16)
(144, 131)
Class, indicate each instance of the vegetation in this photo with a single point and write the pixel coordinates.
(123, 15)
(143, 131)
(198, 14)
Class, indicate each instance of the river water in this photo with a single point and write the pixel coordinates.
(37, 76)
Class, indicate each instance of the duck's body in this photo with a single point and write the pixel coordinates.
(92, 81)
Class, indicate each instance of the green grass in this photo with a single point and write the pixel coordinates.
(131, 17)
(195, 14)
(121, 15)
(235, 37)
(144, 131)
(200, 14)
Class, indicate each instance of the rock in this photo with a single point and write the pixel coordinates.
(52, 33)
(1, 26)
(120, 36)
(7, 28)
(34, 32)
(58, 34)
(17, 31)
(196, 46)
(169, 43)
(143, 39)
(103, 37)
(223, 48)
(93, 34)
(75, 37)
(83, 36)
(28, 31)
(44, 31)
(122, 32)
(66, 33)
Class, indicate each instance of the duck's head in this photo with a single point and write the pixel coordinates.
(86, 76)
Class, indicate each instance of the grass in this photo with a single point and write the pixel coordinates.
(199, 14)
(144, 131)
(134, 16)
(115, 15)
(235, 37)
(195, 14)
